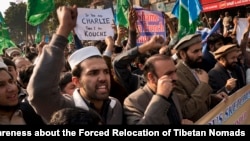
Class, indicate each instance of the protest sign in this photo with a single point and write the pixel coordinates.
(234, 110)
(94, 24)
(149, 23)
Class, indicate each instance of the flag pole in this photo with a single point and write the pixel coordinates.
(26, 39)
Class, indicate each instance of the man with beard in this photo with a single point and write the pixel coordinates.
(192, 88)
(90, 74)
(226, 75)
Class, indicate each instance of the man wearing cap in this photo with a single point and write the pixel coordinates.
(214, 41)
(13, 52)
(226, 75)
(192, 88)
(90, 74)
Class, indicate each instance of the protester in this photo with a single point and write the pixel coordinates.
(13, 71)
(155, 103)
(122, 62)
(192, 88)
(226, 75)
(21, 63)
(66, 85)
(214, 41)
(227, 20)
(13, 110)
(116, 89)
(13, 52)
(90, 74)
(71, 78)
(24, 76)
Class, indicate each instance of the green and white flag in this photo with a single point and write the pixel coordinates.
(5, 41)
(122, 9)
(4, 30)
(187, 12)
(38, 11)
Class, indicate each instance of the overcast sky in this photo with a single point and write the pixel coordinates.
(5, 4)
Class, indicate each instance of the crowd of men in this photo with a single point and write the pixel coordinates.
(116, 82)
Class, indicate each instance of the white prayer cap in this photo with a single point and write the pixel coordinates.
(82, 54)
(2, 64)
(11, 50)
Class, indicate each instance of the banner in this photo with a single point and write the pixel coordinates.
(233, 111)
(94, 24)
(149, 23)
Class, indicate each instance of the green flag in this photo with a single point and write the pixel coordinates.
(5, 43)
(4, 30)
(38, 36)
(38, 11)
(122, 9)
(70, 37)
(1, 18)
(187, 12)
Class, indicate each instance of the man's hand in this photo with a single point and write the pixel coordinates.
(67, 19)
(222, 95)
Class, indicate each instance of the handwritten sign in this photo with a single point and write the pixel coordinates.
(234, 110)
(149, 23)
(94, 24)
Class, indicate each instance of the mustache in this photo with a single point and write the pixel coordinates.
(200, 58)
(174, 81)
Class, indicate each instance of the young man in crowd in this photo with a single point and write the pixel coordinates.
(90, 74)
(14, 110)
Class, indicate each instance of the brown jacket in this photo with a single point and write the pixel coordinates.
(144, 107)
(194, 97)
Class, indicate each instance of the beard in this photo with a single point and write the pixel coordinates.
(193, 64)
(93, 94)
(231, 66)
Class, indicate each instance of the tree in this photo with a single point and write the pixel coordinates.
(15, 19)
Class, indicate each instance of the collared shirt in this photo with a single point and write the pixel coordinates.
(86, 104)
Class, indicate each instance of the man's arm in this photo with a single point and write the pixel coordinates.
(44, 94)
